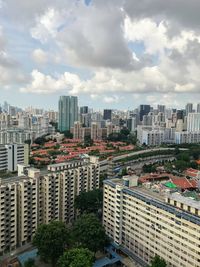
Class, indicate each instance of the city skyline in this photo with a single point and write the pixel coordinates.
(53, 48)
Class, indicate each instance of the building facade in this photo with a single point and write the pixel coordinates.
(68, 112)
(13, 154)
(146, 225)
(34, 198)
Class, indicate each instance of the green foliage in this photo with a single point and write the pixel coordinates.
(90, 202)
(29, 263)
(102, 177)
(67, 134)
(40, 140)
(148, 168)
(51, 240)
(158, 262)
(28, 141)
(132, 139)
(88, 141)
(183, 156)
(77, 257)
(94, 152)
(89, 233)
(54, 152)
(181, 165)
(124, 172)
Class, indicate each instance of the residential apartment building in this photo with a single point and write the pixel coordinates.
(187, 137)
(150, 136)
(35, 197)
(13, 154)
(193, 122)
(145, 223)
(8, 215)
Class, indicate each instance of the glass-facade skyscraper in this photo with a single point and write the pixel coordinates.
(68, 112)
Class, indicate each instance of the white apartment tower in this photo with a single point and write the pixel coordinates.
(144, 225)
(193, 122)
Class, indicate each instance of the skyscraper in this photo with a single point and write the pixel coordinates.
(198, 108)
(107, 114)
(143, 110)
(189, 108)
(68, 112)
(84, 110)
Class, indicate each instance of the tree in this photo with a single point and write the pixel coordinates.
(40, 140)
(90, 202)
(88, 141)
(77, 257)
(67, 134)
(29, 263)
(181, 165)
(28, 141)
(89, 233)
(158, 262)
(51, 240)
(124, 172)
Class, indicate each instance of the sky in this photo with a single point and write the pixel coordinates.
(110, 53)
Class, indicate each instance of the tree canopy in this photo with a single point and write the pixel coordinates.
(89, 233)
(51, 240)
(89, 202)
(157, 261)
(29, 263)
(77, 257)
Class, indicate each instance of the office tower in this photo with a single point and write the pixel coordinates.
(131, 124)
(68, 112)
(147, 119)
(84, 110)
(107, 114)
(145, 223)
(161, 108)
(189, 108)
(193, 122)
(143, 110)
(198, 108)
(179, 114)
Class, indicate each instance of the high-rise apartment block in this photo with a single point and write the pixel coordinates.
(34, 198)
(68, 112)
(13, 154)
(193, 122)
(145, 224)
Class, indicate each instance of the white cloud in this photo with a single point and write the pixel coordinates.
(46, 84)
(47, 25)
(40, 56)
